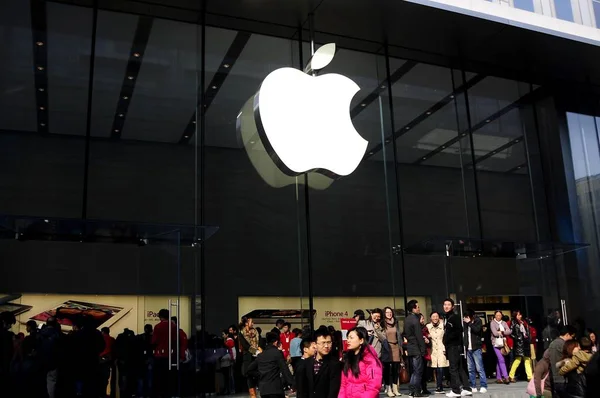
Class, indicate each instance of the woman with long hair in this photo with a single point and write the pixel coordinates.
(249, 349)
(500, 331)
(361, 374)
(521, 346)
(391, 365)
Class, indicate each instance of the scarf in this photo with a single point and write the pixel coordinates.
(500, 327)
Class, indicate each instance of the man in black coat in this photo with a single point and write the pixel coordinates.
(270, 368)
(319, 376)
(413, 332)
(453, 341)
(473, 336)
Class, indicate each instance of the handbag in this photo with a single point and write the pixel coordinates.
(506, 349)
(499, 342)
(404, 376)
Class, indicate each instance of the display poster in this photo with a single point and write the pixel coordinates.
(329, 311)
(115, 312)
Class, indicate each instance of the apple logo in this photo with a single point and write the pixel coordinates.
(304, 120)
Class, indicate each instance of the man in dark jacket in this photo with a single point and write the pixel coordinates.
(473, 336)
(271, 367)
(319, 376)
(453, 341)
(413, 331)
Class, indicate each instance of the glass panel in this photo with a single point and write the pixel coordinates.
(526, 5)
(564, 10)
(254, 268)
(596, 5)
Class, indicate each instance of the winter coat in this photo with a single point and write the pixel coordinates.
(413, 332)
(475, 328)
(438, 351)
(453, 330)
(521, 342)
(368, 383)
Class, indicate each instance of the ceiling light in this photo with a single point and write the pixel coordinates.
(137, 55)
(43, 124)
(214, 87)
(464, 134)
(517, 140)
(424, 157)
(429, 112)
(383, 86)
(370, 153)
(121, 115)
(39, 43)
(488, 120)
(186, 136)
(387, 141)
(125, 97)
(519, 167)
(407, 128)
(116, 130)
(42, 108)
(252, 142)
(363, 105)
(130, 77)
(226, 65)
(41, 89)
(46, 221)
(40, 68)
(451, 96)
(193, 122)
(443, 146)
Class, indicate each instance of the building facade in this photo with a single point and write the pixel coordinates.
(120, 138)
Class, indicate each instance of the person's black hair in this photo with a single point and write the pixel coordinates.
(377, 311)
(434, 312)
(148, 327)
(289, 325)
(78, 321)
(234, 327)
(351, 359)
(515, 313)
(331, 330)
(52, 322)
(163, 314)
(105, 330)
(297, 332)
(498, 311)
(8, 318)
(585, 343)
(272, 338)
(448, 299)
(568, 329)
(32, 324)
(174, 319)
(505, 318)
(279, 322)
(259, 330)
(321, 332)
(411, 305)
(469, 313)
(306, 343)
(360, 314)
(244, 321)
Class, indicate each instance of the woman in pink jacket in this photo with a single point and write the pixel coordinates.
(361, 375)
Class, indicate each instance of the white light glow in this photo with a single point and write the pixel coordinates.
(307, 121)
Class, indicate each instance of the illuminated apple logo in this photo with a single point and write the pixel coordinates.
(304, 121)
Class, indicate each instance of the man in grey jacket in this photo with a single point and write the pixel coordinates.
(555, 352)
(413, 331)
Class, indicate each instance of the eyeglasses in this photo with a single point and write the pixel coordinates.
(325, 344)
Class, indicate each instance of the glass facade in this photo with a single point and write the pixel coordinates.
(132, 121)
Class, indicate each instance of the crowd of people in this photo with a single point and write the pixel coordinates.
(457, 352)
(378, 355)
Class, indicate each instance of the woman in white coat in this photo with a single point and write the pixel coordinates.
(438, 351)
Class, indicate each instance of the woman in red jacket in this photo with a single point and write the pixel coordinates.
(361, 375)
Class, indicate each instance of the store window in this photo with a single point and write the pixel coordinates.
(596, 5)
(564, 10)
(526, 5)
